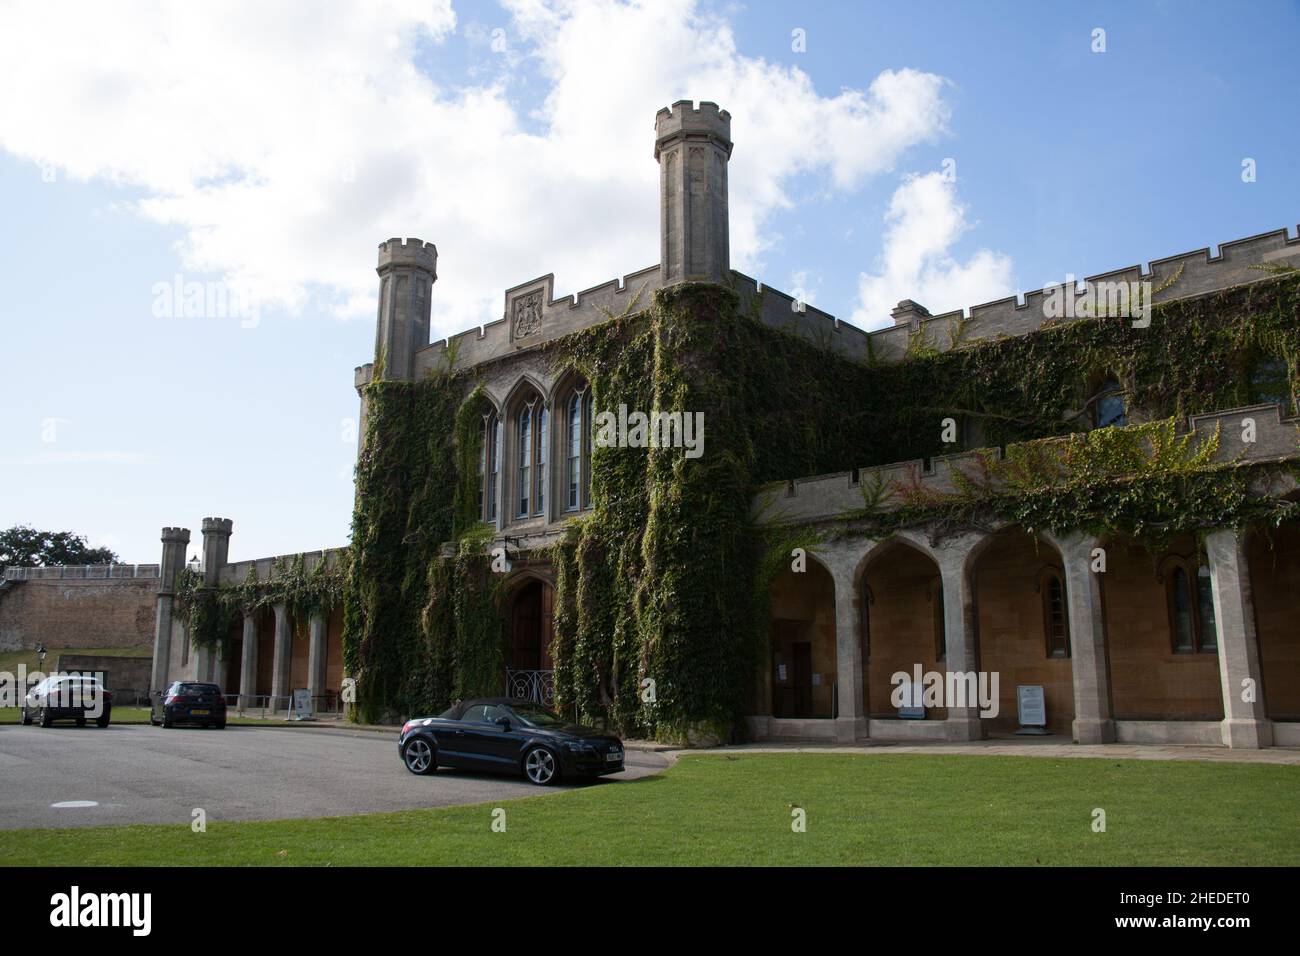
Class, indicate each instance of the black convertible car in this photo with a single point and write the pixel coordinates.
(510, 736)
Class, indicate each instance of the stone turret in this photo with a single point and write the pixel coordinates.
(216, 548)
(174, 542)
(407, 271)
(693, 147)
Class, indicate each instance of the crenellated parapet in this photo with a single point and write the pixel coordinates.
(1274, 437)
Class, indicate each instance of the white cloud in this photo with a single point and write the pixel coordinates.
(286, 140)
(925, 219)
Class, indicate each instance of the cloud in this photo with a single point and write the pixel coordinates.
(925, 219)
(285, 142)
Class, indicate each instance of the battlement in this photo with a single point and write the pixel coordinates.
(237, 572)
(82, 572)
(408, 252)
(176, 535)
(217, 525)
(684, 120)
(533, 316)
(826, 497)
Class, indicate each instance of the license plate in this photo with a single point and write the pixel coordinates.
(614, 757)
(199, 713)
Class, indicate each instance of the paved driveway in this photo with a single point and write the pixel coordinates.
(143, 774)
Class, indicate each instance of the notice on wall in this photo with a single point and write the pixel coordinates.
(302, 703)
(1032, 705)
(817, 680)
(780, 672)
(913, 696)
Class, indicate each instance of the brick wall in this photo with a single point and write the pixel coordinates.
(118, 612)
(1275, 580)
(901, 626)
(803, 610)
(1148, 680)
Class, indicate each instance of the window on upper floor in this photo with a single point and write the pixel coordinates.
(530, 459)
(577, 435)
(1270, 382)
(1111, 407)
(489, 466)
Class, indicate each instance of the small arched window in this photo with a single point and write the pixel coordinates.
(1111, 407)
(1056, 620)
(1192, 625)
(539, 459)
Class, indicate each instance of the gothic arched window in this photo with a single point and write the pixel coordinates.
(1112, 409)
(489, 466)
(1190, 596)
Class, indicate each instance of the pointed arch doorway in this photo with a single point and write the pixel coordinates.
(529, 669)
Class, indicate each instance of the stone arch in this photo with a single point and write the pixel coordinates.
(901, 596)
(800, 668)
(1022, 623)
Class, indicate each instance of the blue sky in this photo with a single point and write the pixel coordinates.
(273, 153)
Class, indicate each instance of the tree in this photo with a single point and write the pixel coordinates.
(24, 547)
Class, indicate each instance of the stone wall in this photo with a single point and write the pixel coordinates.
(78, 612)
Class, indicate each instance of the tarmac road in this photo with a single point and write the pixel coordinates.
(135, 773)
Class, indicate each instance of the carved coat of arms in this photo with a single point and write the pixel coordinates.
(528, 314)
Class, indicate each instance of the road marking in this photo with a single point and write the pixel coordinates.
(73, 804)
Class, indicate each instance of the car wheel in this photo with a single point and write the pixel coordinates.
(25, 718)
(418, 756)
(46, 719)
(220, 725)
(541, 767)
(167, 721)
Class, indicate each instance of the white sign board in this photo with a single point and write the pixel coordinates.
(1031, 705)
(302, 703)
(913, 696)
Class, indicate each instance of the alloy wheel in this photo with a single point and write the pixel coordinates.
(539, 766)
(418, 756)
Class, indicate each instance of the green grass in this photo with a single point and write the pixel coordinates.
(736, 809)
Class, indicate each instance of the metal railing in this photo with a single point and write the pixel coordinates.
(269, 705)
(535, 685)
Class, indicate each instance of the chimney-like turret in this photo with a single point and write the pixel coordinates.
(407, 271)
(693, 147)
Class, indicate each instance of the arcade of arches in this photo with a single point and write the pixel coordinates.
(1190, 644)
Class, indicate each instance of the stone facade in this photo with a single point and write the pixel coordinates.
(1032, 608)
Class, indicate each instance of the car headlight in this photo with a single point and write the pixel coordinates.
(577, 747)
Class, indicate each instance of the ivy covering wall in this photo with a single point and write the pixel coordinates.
(665, 579)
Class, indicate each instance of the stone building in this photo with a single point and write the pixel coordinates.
(1089, 492)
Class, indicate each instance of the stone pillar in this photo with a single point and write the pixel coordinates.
(693, 147)
(317, 635)
(407, 271)
(1245, 723)
(248, 662)
(282, 659)
(174, 542)
(1093, 721)
(961, 653)
(851, 717)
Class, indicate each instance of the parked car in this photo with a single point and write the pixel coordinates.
(189, 702)
(68, 696)
(508, 736)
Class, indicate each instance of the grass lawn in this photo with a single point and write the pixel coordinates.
(737, 809)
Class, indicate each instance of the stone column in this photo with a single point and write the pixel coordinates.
(851, 718)
(961, 655)
(174, 542)
(1245, 723)
(248, 662)
(1093, 721)
(317, 649)
(282, 659)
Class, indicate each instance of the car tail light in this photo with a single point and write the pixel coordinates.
(174, 699)
(108, 695)
(407, 726)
